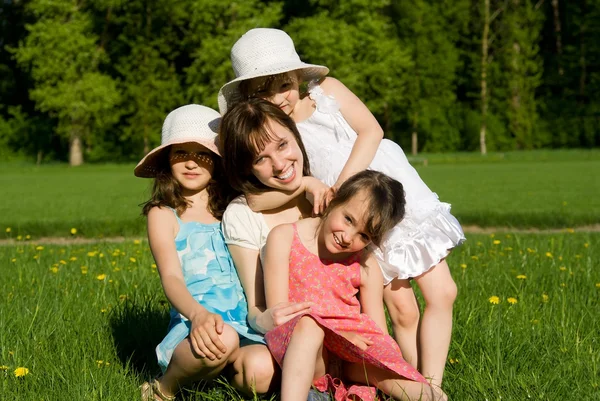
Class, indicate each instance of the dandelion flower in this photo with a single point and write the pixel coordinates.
(521, 277)
(570, 230)
(73, 258)
(463, 265)
(535, 321)
(475, 257)
(39, 248)
(8, 229)
(597, 285)
(13, 260)
(549, 255)
(20, 372)
(496, 242)
(73, 231)
(132, 260)
(153, 265)
(101, 276)
(4, 368)
(103, 310)
(19, 237)
(545, 298)
(586, 245)
(512, 300)
(494, 300)
(54, 269)
(562, 268)
(563, 285)
(531, 250)
(91, 254)
(137, 242)
(28, 236)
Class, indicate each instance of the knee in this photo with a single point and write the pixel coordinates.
(255, 369)
(404, 313)
(308, 327)
(444, 296)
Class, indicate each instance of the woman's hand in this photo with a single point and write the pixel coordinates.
(204, 335)
(356, 339)
(318, 193)
(282, 313)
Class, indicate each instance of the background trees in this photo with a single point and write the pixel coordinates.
(83, 80)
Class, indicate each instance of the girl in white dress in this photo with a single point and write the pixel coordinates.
(342, 137)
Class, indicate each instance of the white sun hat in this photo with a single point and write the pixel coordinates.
(189, 123)
(261, 52)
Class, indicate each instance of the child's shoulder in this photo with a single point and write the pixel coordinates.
(285, 230)
(160, 212)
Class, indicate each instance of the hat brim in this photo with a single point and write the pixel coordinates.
(229, 93)
(147, 167)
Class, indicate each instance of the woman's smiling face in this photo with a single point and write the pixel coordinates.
(279, 164)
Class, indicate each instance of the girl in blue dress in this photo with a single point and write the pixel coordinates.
(208, 330)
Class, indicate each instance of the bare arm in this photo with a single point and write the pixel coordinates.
(315, 192)
(261, 319)
(277, 264)
(371, 292)
(362, 121)
(206, 326)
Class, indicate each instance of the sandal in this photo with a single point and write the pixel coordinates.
(151, 390)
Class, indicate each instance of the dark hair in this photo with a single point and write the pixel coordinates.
(266, 88)
(386, 202)
(244, 132)
(166, 191)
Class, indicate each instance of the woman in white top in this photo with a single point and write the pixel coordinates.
(262, 151)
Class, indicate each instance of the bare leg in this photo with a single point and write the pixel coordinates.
(303, 357)
(404, 312)
(439, 292)
(392, 384)
(254, 370)
(186, 366)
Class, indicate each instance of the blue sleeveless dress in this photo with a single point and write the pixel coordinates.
(211, 278)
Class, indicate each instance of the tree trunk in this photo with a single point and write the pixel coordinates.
(582, 59)
(75, 151)
(414, 143)
(484, 64)
(558, 34)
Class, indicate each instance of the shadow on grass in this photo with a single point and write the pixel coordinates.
(137, 328)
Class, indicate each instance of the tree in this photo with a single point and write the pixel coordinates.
(64, 58)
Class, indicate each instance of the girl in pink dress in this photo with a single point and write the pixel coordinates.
(340, 339)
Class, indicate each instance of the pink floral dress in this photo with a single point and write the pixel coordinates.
(333, 286)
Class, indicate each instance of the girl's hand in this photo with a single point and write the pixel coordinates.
(282, 313)
(204, 335)
(356, 339)
(318, 193)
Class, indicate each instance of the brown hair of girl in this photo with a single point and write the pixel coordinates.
(244, 132)
(166, 191)
(385, 197)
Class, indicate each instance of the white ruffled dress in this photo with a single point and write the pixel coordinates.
(428, 231)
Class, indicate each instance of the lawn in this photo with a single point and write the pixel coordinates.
(84, 320)
(519, 189)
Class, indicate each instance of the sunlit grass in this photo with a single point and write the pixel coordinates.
(84, 320)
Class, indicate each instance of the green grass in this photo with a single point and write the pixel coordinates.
(59, 323)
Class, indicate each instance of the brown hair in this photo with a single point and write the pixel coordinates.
(166, 191)
(244, 132)
(386, 200)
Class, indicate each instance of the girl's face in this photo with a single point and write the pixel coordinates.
(282, 90)
(279, 165)
(192, 166)
(343, 230)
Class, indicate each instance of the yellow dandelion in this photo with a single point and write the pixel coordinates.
(91, 254)
(21, 372)
(54, 269)
(62, 262)
(494, 300)
(570, 230)
(123, 297)
(562, 268)
(103, 310)
(73, 258)
(497, 242)
(101, 255)
(522, 277)
(475, 257)
(100, 362)
(531, 250)
(545, 298)
(13, 260)
(8, 229)
(4, 368)
(117, 269)
(463, 265)
(563, 285)
(549, 255)
(73, 231)
(132, 260)
(452, 361)
(597, 285)
(153, 265)
(110, 281)
(19, 237)
(101, 276)
(512, 300)
(36, 257)
(137, 242)
(113, 263)
(586, 245)
(535, 321)
(28, 236)
(508, 248)
(39, 248)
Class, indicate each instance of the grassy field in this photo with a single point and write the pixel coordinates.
(519, 189)
(84, 320)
